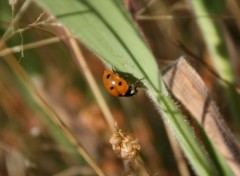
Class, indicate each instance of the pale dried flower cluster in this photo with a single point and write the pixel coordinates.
(125, 144)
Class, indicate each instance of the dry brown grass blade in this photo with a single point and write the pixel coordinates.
(188, 87)
(82, 64)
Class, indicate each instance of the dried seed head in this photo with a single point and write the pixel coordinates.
(124, 144)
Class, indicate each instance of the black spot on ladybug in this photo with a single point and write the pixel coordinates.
(111, 87)
(108, 76)
(120, 83)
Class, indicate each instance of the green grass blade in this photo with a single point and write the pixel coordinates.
(214, 40)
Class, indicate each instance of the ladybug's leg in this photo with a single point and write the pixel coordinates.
(139, 83)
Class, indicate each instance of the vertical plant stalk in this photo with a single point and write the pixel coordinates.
(178, 155)
(213, 38)
(82, 64)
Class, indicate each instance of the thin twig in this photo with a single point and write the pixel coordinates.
(171, 17)
(15, 20)
(30, 26)
(32, 45)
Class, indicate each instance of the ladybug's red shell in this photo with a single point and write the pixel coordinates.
(116, 85)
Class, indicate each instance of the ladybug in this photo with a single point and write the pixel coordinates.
(118, 86)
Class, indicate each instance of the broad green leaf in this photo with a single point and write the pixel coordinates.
(115, 41)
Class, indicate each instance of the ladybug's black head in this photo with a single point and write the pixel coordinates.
(131, 91)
